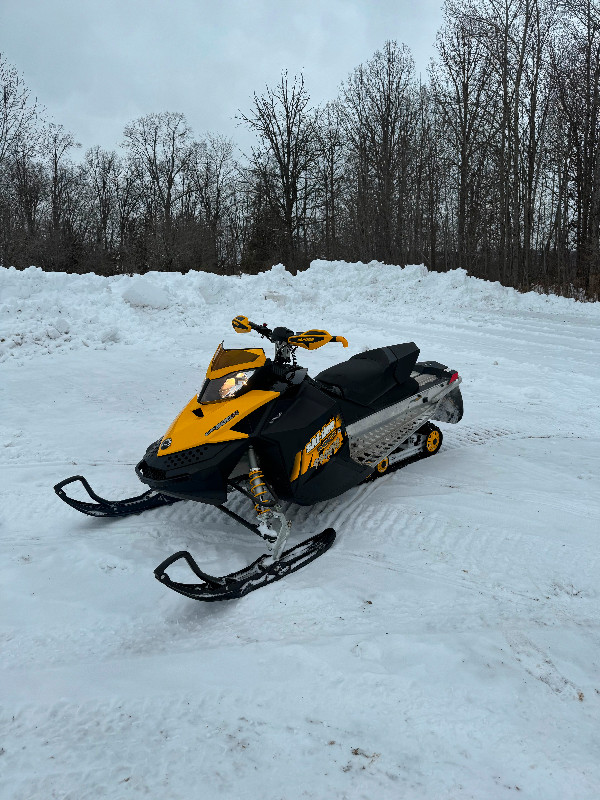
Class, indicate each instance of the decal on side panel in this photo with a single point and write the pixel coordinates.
(321, 447)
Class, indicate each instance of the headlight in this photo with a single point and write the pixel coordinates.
(226, 387)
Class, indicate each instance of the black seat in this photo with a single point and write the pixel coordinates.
(369, 375)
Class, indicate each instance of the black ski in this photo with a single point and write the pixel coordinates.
(260, 573)
(112, 508)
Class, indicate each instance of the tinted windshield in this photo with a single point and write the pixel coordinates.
(223, 358)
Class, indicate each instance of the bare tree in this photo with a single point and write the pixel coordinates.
(330, 173)
(58, 144)
(577, 76)
(515, 33)
(463, 88)
(160, 146)
(380, 120)
(101, 170)
(17, 113)
(213, 172)
(30, 181)
(286, 129)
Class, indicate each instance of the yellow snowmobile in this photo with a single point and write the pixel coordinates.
(264, 428)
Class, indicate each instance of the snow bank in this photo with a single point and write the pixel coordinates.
(48, 311)
(142, 292)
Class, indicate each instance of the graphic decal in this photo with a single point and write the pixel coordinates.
(321, 447)
(216, 427)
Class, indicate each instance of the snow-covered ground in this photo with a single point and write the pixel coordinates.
(447, 646)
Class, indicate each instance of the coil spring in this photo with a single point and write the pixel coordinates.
(258, 488)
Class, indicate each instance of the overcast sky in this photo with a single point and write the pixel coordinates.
(98, 64)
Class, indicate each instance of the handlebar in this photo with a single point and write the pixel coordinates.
(308, 340)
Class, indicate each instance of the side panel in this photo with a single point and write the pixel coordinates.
(304, 452)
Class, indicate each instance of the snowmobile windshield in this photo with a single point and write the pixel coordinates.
(225, 387)
(229, 359)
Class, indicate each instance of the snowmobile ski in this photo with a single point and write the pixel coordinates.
(258, 574)
(112, 508)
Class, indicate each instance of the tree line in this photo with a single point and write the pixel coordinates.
(491, 164)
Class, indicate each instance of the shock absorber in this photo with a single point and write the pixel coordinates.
(270, 516)
(258, 489)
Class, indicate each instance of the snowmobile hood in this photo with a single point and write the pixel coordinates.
(209, 423)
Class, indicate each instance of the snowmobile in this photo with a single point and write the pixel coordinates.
(262, 427)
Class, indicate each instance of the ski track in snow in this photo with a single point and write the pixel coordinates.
(447, 646)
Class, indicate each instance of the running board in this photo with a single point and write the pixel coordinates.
(372, 448)
(375, 436)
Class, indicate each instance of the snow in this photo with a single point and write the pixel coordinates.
(142, 292)
(447, 646)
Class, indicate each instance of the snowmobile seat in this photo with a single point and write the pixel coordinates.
(365, 377)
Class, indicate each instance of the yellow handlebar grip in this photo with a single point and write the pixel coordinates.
(341, 339)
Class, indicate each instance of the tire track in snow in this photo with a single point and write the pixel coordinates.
(473, 435)
(454, 547)
(535, 498)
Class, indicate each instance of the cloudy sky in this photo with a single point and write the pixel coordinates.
(98, 64)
